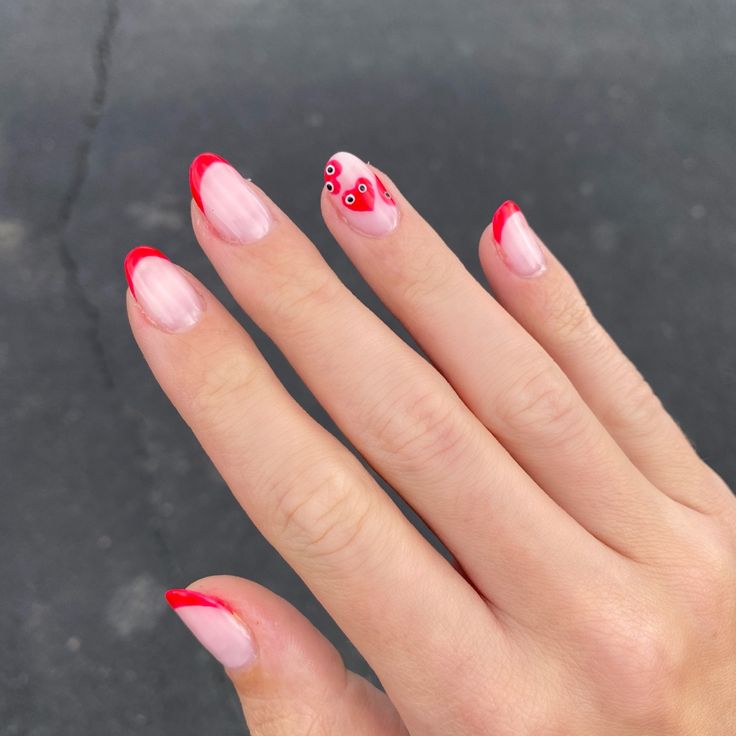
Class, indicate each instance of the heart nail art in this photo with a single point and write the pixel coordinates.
(359, 195)
(361, 198)
(332, 174)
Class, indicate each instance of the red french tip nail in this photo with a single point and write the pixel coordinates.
(178, 598)
(135, 255)
(196, 171)
(503, 213)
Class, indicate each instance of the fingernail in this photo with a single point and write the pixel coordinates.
(217, 628)
(228, 202)
(516, 242)
(162, 290)
(359, 196)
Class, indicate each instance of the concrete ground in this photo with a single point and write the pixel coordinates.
(613, 124)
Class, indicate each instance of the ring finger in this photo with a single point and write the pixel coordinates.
(506, 378)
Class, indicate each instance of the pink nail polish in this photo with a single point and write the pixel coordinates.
(162, 290)
(517, 243)
(228, 202)
(359, 195)
(217, 628)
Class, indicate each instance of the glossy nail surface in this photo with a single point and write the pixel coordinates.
(214, 624)
(359, 196)
(228, 202)
(517, 243)
(161, 289)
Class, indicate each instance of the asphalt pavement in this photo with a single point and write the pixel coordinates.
(612, 124)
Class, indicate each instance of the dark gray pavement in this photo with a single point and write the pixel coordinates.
(613, 124)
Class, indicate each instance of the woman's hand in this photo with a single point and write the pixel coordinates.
(594, 584)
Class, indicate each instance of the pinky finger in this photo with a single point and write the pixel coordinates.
(289, 678)
(542, 296)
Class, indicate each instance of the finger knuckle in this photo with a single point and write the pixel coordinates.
(637, 657)
(539, 402)
(294, 303)
(636, 404)
(708, 579)
(226, 379)
(420, 426)
(419, 272)
(570, 316)
(426, 284)
(323, 516)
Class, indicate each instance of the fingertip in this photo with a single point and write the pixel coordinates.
(501, 216)
(184, 597)
(516, 244)
(134, 257)
(290, 647)
(291, 670)
(197, 169)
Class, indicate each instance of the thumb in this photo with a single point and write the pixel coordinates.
(289, 678)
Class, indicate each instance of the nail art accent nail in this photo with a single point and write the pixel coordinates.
(228, 202)
(215, 625)
(517, 244)
(161, 289)
(360, 196)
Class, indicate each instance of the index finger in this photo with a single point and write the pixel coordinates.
(303, 489)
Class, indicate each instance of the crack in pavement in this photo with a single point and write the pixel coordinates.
(91, 120)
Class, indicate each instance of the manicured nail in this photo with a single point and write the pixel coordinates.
(163, 292)
(359, 195)
(217, 628)
(517, 243)
(228, 202)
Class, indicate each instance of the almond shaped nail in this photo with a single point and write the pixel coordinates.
(229, 203)
(215, 626)
(161, 289)
(359, 196)
(516, 242)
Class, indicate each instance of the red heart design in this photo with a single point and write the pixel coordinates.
(361, 198)
(333, 169)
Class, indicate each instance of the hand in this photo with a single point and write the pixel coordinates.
(594, 584)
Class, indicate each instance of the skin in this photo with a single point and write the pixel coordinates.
(594, 590)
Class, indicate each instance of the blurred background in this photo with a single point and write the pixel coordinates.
(612, 124)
